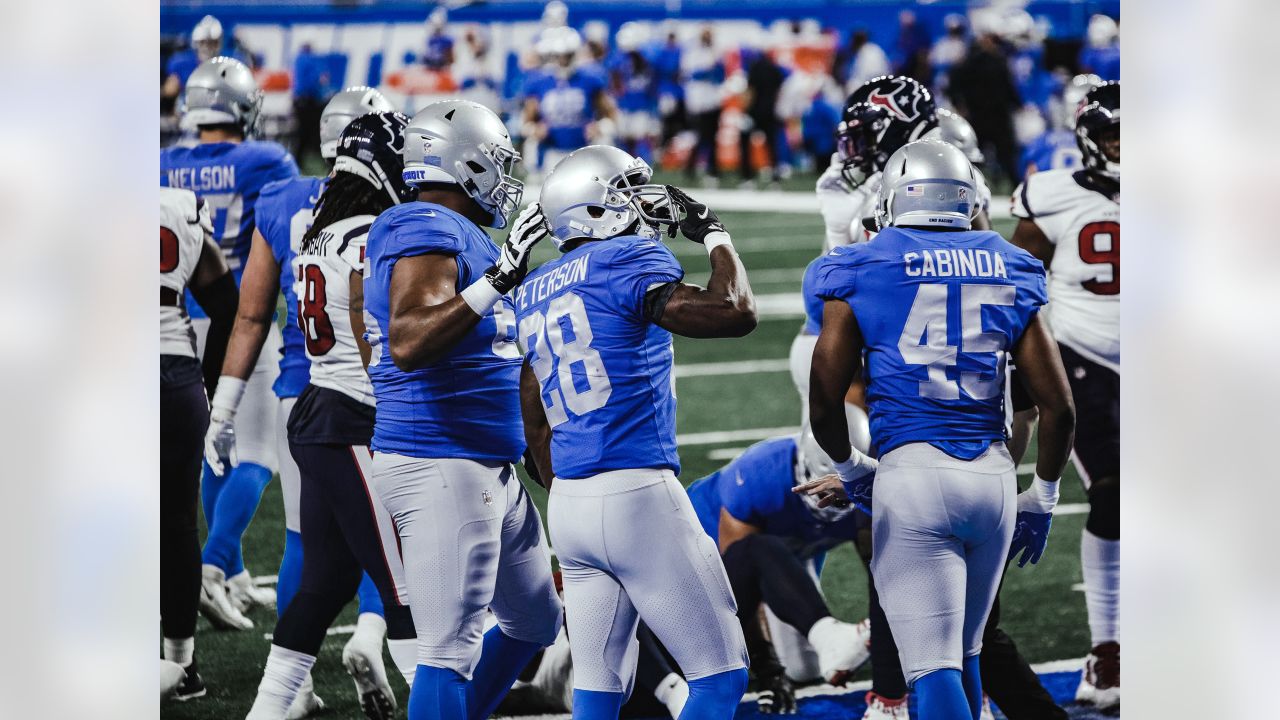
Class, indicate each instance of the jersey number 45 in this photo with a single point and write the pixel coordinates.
(928, 321)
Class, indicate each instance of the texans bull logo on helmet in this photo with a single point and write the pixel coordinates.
(899, 95)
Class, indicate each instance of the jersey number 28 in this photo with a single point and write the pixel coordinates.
(928, 321)
(545, 336)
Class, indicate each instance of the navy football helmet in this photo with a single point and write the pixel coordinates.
(370, 147)
(1099, 113)
(879, 117)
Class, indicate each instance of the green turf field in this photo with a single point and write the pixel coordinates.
(1041, 611)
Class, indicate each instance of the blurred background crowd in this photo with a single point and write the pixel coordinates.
(752, 100)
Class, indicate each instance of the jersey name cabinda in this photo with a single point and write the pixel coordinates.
(284, 213)
(938, 312)
(603, 366)
(756, 489)
(184, 220)
(1080, 215)
(229, 177)
(467, 404)
(321, 282)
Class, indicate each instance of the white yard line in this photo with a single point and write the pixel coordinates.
(727, 436)
(335, 630)
(735, 367)
(730, 453)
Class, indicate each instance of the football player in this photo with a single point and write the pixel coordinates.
(953, 128)
(1070, 220)
(1056, 148)
(944, 514)
(284, 212)
(189, 257)
(329, 431)
(595, 325)
(445, 371)
(774, 543)
(564, 104)
(228, 170)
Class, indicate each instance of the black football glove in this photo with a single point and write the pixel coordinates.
(776, 697)
(513, 264)
(698, 221)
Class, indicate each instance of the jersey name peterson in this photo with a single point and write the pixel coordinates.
(540, 287)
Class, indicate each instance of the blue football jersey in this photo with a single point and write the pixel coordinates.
(567, 106)
(938, 312)
(756, 489)
(229, 177)
(604, 367)
(1053, 150)
(812, 303)
(284, 213)
(466, 405)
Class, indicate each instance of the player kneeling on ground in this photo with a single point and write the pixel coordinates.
(596, 389)
(774, 543)
(945, 506)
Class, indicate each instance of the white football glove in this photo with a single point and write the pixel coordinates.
(529, 228)
(220, 438)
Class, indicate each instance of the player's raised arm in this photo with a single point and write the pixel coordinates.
(726, 307)
(537, 431)
(428, 314)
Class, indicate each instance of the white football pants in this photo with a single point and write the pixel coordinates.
(257, 417)
(630, 547)
(941, 529)
(471, 540)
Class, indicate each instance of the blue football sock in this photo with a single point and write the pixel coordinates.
(210, 488)
(502, 657)
(290, 576)
(232, 512)
(367, 593)
(971, 676)
(437, 694)
(715, 697)
(940, 696)
(596, 705)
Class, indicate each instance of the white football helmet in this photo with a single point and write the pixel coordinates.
(812, 461)
(344, 107)
(464, 143)
(206, 37)
(221, 91)
(600, 192)
(953, 128)
(928, 183)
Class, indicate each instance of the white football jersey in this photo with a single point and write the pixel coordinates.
(322, 270)
(842, 206)
(184, 224)
(1082, 221)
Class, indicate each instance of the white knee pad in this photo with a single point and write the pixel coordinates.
(290, 478)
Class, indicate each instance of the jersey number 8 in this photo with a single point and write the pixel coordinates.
(546, 337)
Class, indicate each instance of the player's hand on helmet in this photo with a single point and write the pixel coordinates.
(776, 697)
(698, 220)
(828, 490)
(527, 231)
(1035, 517)
(220, 442)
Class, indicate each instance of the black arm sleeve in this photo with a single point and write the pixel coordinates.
(655, 300)
(219, 300)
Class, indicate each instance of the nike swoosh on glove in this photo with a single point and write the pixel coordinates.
(699, 221)
(857, 474)
(529, 228)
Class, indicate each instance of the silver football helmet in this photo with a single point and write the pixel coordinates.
(953, 128)
(464, 143)
(221, 91)
(812, 461)
(927, 183)
(342, 109)
(600, 192)
(206, 37)
(1073, 94)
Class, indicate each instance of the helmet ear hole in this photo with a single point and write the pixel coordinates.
(474, 166)
(595, 211)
